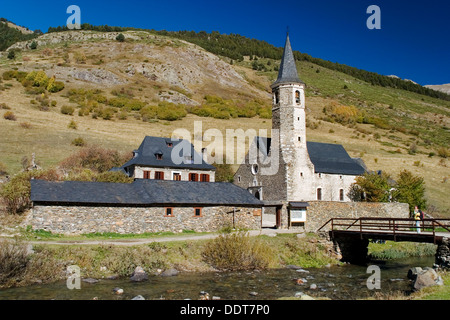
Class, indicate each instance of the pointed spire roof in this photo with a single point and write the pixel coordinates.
(288, 69)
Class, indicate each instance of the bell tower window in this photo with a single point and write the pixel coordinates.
(297, 97)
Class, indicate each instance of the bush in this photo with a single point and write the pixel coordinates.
(170, 111)
(16, 193)
(237, 251)
(95, 158)
(375, 187)
(41, 79)
(120, 37)
(9, 115)
(54, 86)
(11, 54)
(72, 125)
(115, 177)
(80, 57)
(67, 110)
(443, 152)
(13, 260)
(33, 45)
(78, 142)
(26, 125)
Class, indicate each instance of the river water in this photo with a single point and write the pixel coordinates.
(345, 282)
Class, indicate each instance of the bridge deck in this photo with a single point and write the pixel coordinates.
(395, 229)
(411, 236)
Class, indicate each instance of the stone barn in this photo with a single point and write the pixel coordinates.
(74, 207)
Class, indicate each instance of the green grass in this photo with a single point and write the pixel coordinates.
(397, 250)
(437, 292)
(43, 235)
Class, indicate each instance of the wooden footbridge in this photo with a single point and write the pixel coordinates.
(353, 235)
(395, 229)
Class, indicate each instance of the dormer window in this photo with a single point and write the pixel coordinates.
(169, 144)
(159, 156)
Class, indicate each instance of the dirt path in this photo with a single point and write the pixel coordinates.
(135, 242)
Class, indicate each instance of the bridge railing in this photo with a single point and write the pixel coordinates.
(388, 225)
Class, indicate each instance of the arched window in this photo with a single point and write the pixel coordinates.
(319, 193)
(277, 97)
(341, 194)
(297, 97)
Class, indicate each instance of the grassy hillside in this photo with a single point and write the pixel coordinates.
(129, 88)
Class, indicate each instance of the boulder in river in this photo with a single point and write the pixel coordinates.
(426, 278)
(118, 290)
(90, 280)
(169, 273)
(139, 275)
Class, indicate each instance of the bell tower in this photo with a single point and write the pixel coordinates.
(289, 117)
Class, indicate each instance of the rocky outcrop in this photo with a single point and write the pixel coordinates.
(98, 76)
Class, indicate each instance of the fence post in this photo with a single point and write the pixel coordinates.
(360, 228)
(394, 227)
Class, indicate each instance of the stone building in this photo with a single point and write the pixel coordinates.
(75, 207)
(168, 159)
(288, 169)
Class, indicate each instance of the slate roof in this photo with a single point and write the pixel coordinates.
(332, 158)
(288, 70)
(172, 157)
(326, 157)
(142, 192)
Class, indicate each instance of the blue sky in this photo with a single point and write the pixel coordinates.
(413, 42)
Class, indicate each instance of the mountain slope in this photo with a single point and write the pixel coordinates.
(391, 129)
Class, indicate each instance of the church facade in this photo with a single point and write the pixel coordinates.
(305, 171)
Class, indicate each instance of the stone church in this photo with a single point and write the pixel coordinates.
(304, 171)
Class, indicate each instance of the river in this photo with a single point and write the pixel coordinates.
(345, 282)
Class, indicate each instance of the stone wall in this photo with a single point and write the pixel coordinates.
(91, 219)
(319, 212)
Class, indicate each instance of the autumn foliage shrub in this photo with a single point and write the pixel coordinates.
(9, 115)
(16, 193)
(237, 251)
(95, 158)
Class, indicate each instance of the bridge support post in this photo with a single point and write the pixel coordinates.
(353, 250)
(442, 257)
